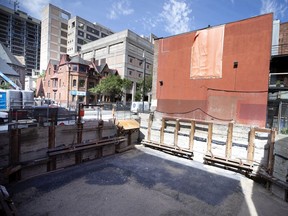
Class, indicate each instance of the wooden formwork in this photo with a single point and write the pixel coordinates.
(203, 130)
(33, 151)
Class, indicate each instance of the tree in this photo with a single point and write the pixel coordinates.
(148, 87)
(112, 86)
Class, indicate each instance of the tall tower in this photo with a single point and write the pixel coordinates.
(20, 33)
(53, 34)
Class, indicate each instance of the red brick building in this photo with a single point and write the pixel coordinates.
(219, 73)
(68, 81)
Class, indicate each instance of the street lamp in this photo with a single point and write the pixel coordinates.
(143, 96)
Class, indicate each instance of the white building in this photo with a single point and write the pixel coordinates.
(54, 31)
(124, 51)
(61, 34)
(81, 31)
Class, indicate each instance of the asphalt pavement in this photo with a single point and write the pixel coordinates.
(140, 182)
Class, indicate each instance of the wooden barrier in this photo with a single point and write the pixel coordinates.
(36, 150)
(246, 164)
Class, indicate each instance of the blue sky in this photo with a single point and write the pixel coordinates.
(160, 17)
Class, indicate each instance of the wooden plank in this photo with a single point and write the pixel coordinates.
(149, 128)
(228, 151)
(271, 152)
(183, 152)
(162, 131)
(209, 137)
(231, 163)
(51, 165)
(176, 130)
(251, 146)
(191, 137)
(78, 155)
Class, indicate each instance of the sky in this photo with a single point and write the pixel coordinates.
(160, 17)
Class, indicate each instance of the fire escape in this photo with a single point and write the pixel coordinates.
(277, 112)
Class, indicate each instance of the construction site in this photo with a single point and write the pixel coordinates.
(206, 153)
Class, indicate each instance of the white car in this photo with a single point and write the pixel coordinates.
(3, 117)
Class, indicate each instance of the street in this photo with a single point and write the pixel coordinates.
(143, 181)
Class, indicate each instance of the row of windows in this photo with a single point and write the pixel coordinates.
(88, 36)
(138, 62)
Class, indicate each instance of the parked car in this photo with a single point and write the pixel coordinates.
(3, 117)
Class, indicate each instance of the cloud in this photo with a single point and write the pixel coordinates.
(274, 6)
(34, 7)
(119, 8)
(175, 15)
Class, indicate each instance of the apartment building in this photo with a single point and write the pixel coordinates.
(68, 81)
(61, 34)
(130, 54)
(54, 32)
(21, 33)
(81, 31)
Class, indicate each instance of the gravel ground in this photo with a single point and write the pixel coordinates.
(143, 181)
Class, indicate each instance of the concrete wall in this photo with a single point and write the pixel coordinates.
(239, 96)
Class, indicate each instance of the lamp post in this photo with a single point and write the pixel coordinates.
(143, 96)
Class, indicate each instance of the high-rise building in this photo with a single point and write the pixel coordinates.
(81, 31)
(21, 33)
(54, 31)
(61, 34)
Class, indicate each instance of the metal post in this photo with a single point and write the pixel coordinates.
(143, 96)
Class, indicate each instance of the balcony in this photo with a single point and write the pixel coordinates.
(279, 50)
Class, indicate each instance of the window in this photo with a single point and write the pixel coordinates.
(78, 48)
(90, 37)
(63, 49)
(63, 41)
(139, 75)
(73, 24)
(103, 35)
(81, 33)
(81, 25)
(64, 34)
(81, 83)
(49, 71)
(73, 98)
(81, 98)
(82, 68)
(64, 26)
(74, 68)
(80, 41)
(131, 59)
(48, 83)
(92, 30)
(91, 84)
(60, 83)
(74, 83)
(103, 61)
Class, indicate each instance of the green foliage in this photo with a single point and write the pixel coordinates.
(112, 85)
(148, 87)
(284, 131)
(4, 85)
